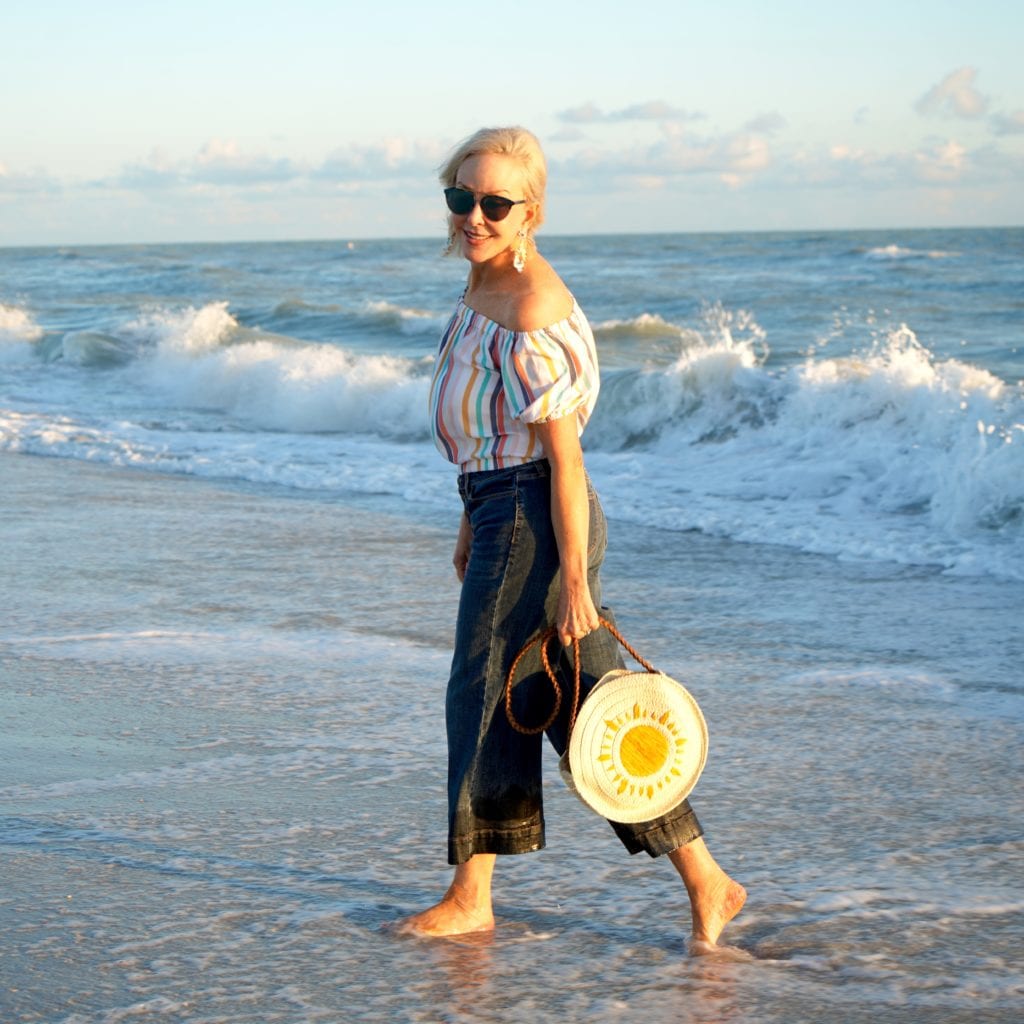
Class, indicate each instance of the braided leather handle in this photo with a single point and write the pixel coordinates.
(543, 638)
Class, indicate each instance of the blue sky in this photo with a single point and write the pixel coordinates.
(126, 122)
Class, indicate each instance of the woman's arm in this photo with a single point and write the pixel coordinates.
(570, 516)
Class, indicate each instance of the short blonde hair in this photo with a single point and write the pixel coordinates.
(519, 144)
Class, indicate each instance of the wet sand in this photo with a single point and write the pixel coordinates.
(223, 754)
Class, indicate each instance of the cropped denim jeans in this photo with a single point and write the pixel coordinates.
(509, 592)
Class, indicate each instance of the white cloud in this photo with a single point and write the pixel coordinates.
(943, 163)
(734, 157)
(843, 153)
(567, 133)
(637, 150)
(770, 123)
(673, 149)
(588, 113)
(935, 163)
(221, 162)
(653, 110)
(867, 164)
(748, 154)
(645, 182)
(1009, 124)
(954, 96)
(14, 183)
(223, 165)
(391, 158)
(156, 171)
(681, 154)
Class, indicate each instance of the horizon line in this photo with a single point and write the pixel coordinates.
(354, 240)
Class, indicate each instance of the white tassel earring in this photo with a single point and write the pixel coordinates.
(520, 251)
(450, 247)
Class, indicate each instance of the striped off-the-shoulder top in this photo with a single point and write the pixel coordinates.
(490, 383)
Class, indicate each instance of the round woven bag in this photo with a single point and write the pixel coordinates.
(638, 744)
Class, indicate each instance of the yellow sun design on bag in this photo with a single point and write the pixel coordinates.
(641, 751)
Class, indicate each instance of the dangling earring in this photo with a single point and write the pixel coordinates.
(450, 247)
(520, 251)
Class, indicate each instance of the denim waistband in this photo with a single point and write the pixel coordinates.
(476, 485)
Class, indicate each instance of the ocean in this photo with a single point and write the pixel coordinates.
(226, 540)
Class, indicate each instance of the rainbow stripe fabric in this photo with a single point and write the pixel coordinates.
(490, 383)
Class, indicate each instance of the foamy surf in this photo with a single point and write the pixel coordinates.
(887, 453)
(18, 334)
(901, 252)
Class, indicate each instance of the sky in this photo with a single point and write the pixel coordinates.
(228, 121)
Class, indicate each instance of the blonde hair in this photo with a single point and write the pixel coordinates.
(519, 144)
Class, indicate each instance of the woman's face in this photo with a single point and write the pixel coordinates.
(490, 174)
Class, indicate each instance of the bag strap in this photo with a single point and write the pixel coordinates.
(543, 638)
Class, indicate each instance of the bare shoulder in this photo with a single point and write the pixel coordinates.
(542, 300)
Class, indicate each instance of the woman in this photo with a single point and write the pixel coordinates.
(514, 385)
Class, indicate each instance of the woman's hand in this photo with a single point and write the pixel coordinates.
(463, 543)
(577, 615)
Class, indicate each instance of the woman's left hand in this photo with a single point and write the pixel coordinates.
(577, 616)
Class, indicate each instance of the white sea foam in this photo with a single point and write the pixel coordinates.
(319, 463)
(889, 454)
(202, 358)
(901, 683)
(900, 252)
(315, 389)
(17, 325)
(180, 648)
(885, 453)
(188, 331)
(650, 324)
(406, 320)
(18, 331)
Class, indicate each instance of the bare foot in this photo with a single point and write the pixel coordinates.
(720, 953)
(715, 899)
(454, 915)
(711, 909)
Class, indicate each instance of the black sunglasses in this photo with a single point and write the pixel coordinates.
(461, 201)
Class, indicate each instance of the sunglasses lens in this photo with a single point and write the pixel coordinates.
(459, 201)
(495, 207)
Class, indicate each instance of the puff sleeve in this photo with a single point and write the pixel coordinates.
(552, 372)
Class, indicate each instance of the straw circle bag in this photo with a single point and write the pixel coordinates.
(637, 745)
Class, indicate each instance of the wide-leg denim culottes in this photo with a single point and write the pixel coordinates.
(509, 592)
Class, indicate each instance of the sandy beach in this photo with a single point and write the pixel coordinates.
(223, 773)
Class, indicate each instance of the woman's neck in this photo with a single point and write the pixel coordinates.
(496, 273)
